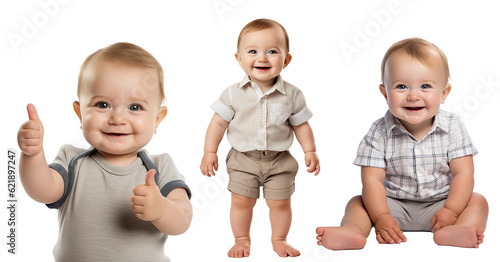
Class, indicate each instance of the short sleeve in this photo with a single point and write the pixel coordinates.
(371, 150)
(223, 107)
(61, 164)
(460, 142)
(65, 154)
(300, 111)
(170, 178)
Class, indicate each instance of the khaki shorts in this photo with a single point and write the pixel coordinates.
(414, 215)
(273, 170)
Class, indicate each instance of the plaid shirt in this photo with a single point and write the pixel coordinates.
(415, 170)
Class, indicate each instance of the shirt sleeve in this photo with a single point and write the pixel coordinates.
(223, 107)
(61, 164)
(371, 150)
(170, 178)
(64, 156)
(460, 142)
(300, 111)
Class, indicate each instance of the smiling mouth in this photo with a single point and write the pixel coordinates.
(414, 108)
(262, 67)
(115, 134)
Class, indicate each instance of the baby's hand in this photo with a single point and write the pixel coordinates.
(388, 231)
(30, 134)
(442, 218)
(312, 162)
(147, 202)
(209, 164)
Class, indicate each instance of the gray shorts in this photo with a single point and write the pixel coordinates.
(414, 215)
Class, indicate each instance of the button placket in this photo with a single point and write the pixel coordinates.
(263, 120)
(418, 150)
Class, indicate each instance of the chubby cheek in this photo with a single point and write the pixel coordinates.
(433, 100)
(145, 125)
(91, 126)
(90, 120)
(279, 62)
(246, 65)
(394, 100)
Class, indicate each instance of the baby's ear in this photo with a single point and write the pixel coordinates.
(162, 113)
(288, 59)
(238, 57)
(446, 92)
(381, 87)
(76, 108)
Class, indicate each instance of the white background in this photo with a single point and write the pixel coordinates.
(195, 42)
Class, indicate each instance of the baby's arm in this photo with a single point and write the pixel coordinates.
(171, 214)
(305, 137)
(375, 200)
(40, 182)
(215, 133)
(462, 171)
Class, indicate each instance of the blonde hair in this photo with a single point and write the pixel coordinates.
(261, 24)
(125, 53)
(417, 48)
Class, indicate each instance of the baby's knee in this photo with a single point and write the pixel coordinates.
(278, 204)
(240, 201)
(479, 201)
(356, 201)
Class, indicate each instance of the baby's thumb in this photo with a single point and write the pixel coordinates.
(33, 114)
(150, 178)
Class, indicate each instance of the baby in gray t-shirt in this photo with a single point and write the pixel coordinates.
(120, 91)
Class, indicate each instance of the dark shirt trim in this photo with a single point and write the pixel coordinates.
(68, 177)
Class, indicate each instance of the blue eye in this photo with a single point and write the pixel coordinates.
(135, 107)
(102, 105)
(401, 87)
(272, 52)
(425, 86)
(252, 52)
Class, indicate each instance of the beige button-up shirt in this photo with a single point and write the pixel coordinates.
(260, 121)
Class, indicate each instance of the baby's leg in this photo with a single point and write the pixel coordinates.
(353, 231)
(280, 214)
(241, 218)
(469, 227)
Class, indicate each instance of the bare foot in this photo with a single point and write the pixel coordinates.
(340, 238)
(459, 236)
(283, 249)
(240, 249)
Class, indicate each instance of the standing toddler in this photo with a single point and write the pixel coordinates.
(261, 113)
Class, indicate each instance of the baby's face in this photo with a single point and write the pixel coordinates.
(262, 55)
(414, 91)
(120, 112)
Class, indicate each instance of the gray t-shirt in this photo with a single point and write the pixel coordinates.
(96, 220)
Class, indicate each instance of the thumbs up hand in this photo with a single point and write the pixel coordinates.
(30, 134)
(147, 202)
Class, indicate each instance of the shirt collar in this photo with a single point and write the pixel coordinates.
(279, 85)
(392, 122)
